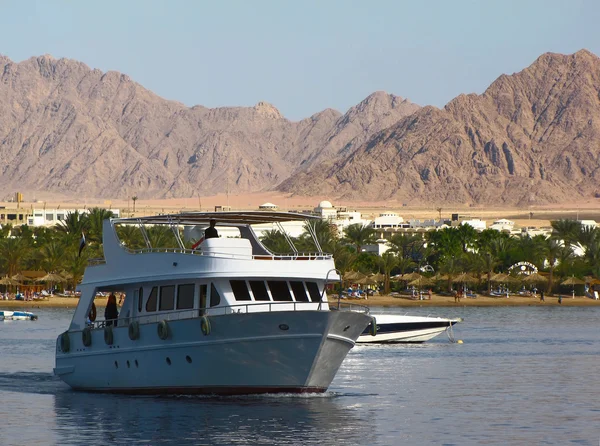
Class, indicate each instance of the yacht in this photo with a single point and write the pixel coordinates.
(17, 316)
(394, 328)
(224, 317)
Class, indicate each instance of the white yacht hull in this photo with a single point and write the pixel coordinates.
(406, 329)
(271, 352)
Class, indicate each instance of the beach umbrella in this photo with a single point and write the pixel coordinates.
(353, 275)
(573, 281)
(19, 277)
(366, 281)
(409, 277)
(424, 281)
(464, 278)
(51, 277)
(396, 278)
(499, 278)
(535, 278)
(593, 281)
(9, 281)
(378, 277)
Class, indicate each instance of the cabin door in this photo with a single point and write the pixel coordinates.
(203, 293)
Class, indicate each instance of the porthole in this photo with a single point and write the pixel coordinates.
(284, 327)
(128, 365)
(136, 363)
(116, 365)
(188, 359)
(168, 360)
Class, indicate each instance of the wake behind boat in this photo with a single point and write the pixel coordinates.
(225, 317)
(17, 316)
(406, 329)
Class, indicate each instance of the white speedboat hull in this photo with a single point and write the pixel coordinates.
(244, 353)
(17, 316)
(406, 329)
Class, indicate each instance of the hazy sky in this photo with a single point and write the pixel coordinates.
(302, 56)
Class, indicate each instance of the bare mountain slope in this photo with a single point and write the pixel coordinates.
(70, 129)
(532, 137)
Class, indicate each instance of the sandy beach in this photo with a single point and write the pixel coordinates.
(373, 301)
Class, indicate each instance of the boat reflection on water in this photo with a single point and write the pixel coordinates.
(277, 419)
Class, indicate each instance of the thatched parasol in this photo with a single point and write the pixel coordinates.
(464, 278)
(20, 277)
(366, 281)
(51, 277)
(9, 281)
(424, 281)
(353, 275)
(396, 278)
(573, 281)
(409, 277)
(378, 277)
(535, 278)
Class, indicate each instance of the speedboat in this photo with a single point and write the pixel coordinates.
(406, 329)
(17, 316)
(226, 316)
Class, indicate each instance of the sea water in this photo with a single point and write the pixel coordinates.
(525, 375)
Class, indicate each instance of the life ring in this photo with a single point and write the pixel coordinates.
(134, 330)
(92, 313)
(108, 335)
(205, 325)
(373, 327)
(65, 342)
(163, 330)
(86, 336)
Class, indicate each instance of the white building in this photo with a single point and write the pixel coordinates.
(326, 210)
(388, 220)
(268, 207)
(503, 225)
(51, 217)
(476, 223)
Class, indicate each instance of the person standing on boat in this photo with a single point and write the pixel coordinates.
(111, 312)
(211, 231)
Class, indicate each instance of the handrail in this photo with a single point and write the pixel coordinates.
(271, 306)
(225, 255)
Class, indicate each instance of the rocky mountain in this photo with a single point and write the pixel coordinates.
(72, 130)
(531, 138)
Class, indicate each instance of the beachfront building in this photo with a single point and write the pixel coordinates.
(476, 223)
(268, 207)
(14, 216)
(503, 225)
(51, 217)
(388, 220)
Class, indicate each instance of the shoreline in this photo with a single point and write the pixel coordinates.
(373, 301)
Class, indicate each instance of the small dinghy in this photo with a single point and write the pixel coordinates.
(17, 316)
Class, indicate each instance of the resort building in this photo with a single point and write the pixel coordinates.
(51, 217)
(503, 225)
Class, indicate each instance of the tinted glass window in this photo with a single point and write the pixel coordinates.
(140, 299)
(299, 291)
(152, 299)
(279, 290)
(313, 290)
(259, 289)
(240, 290)
(203, 294)
(185, 296)
(215, 297)
(167, 298)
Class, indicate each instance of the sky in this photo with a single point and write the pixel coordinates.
(301, 56)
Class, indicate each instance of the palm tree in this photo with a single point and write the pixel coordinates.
(134, 199)
(387, 262)
(324, 233)
(359, 235)
(96, 217)
(13, 252)
(74, 225)
(275, 241)
(566, 230)
(552, 251)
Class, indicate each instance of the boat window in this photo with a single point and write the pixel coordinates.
(167, 298)
(299, 291)
(313, 290)
(140, 299)
(185, 296)
(279, 290)
(240, 289)
(203, 293)
(152, 299)
(259, 289)
(215, 297)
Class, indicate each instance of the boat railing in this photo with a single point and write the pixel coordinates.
(254, 307)
(223, 255)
